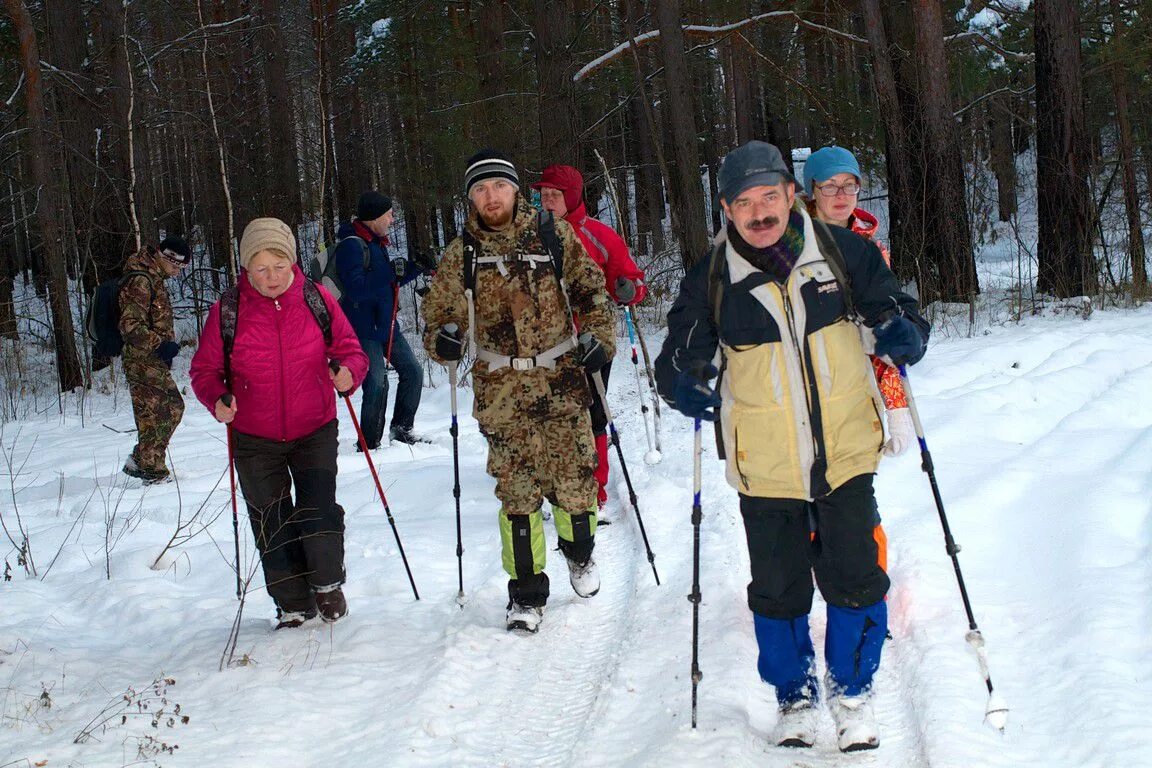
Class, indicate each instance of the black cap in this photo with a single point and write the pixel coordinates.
(754, 164)
(372, 205)
(489, 164)
(176, 250)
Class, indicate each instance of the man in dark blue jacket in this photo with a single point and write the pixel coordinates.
(371, 281)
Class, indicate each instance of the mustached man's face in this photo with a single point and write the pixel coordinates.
(495, 201)
(760, 214)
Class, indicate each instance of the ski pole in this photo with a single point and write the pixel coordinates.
(226, 398)
(996, 713)
(653, 456)
(694, 597)
(651, 385)
(624, 468)
(455, 431)
(376, 479)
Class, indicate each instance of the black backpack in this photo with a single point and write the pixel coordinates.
(230, 311)
(103, 318)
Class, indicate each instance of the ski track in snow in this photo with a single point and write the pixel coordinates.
(1040, 434)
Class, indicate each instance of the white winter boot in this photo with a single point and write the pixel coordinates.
(855, 722)
(525, 618)
(585, 578)
(796, 724)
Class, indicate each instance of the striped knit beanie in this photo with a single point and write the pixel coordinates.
(489, 164)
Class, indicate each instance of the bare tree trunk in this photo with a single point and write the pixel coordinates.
(558, 112)
(1128, 159)
(1064, 248)
(684, 187)
(284, 179)
(950, 243)
(48, 211)
(220, 156)
(1002, 155)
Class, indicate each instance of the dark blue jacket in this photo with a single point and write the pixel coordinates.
(368, 294)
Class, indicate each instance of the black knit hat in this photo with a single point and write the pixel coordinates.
(372, 205)
(176, 250)
(489, 164)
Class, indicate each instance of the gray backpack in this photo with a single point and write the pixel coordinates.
(323, 267)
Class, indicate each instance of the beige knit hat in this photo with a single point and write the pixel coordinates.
(266, 234)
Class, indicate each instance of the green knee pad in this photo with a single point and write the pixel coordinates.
(522, 544)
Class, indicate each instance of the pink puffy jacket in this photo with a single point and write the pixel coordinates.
(279, 362)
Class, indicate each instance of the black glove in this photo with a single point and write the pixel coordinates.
(167, 352)
(399, 267)
(899, 341)
(693, 394)
(424, 260)
(625, 290)
(593, 356)
(449, 345)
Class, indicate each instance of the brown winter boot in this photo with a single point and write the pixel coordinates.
(331, 604)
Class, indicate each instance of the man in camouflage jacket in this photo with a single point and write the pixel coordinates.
(531, 392)
(149, 348)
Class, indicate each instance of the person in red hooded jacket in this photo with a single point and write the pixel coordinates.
(562, 192)
(283, 375)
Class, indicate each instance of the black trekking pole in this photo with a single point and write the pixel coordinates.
(226, 398)
(694, 596)
(599, 382)
(376, 478)
(455, 431)
(996, 713)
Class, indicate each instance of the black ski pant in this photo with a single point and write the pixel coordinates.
(301, 544)
(789, 539)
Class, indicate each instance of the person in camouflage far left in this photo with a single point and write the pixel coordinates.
(149, 348)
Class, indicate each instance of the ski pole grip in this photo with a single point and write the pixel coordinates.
(226, 398)
(334, 366)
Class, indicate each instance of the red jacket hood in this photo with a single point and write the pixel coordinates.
(566, 179)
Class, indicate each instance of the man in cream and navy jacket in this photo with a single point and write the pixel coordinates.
(799, 420)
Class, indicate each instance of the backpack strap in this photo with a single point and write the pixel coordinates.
(229, 313)
(716, 268)
(319, 310)
(835, 259)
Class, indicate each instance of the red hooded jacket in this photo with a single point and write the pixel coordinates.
(606, 248)
(279, 362)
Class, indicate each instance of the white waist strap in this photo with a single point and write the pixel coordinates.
(546, 359)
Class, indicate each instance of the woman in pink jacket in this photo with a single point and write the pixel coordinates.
(277, 389)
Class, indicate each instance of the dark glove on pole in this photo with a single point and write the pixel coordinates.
(693, 395)
(899, 341)
(593, 356)
(625, 290)
(449, 345)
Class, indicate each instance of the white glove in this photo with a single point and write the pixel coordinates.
(901, 433)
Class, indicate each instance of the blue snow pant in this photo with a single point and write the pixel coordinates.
(374, 406)
(788, 541)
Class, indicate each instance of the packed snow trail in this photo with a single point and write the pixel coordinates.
(1040, 433)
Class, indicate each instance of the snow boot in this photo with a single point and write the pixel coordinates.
(407, 436)
(855, 723)
(293, 619)
(525, 618)
(796, 724)
(331, 604)
(149, 477)
(585, 577)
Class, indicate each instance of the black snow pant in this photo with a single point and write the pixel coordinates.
(301, 544)
(789, 539)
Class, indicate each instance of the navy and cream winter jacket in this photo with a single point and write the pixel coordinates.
(800, 406)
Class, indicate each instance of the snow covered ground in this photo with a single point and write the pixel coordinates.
(1041, 434)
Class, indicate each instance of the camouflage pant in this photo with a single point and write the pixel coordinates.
(552, 458)
(157, 406)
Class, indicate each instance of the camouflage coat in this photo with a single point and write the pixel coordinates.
(522, 315)
(145, 311)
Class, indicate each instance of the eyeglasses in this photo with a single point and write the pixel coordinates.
(831, 190)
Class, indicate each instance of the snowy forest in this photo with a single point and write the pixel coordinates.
(1006, 149)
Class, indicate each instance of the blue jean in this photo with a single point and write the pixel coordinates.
(374, 407)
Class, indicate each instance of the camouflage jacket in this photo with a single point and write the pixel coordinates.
(522, 315)
(145, 311)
